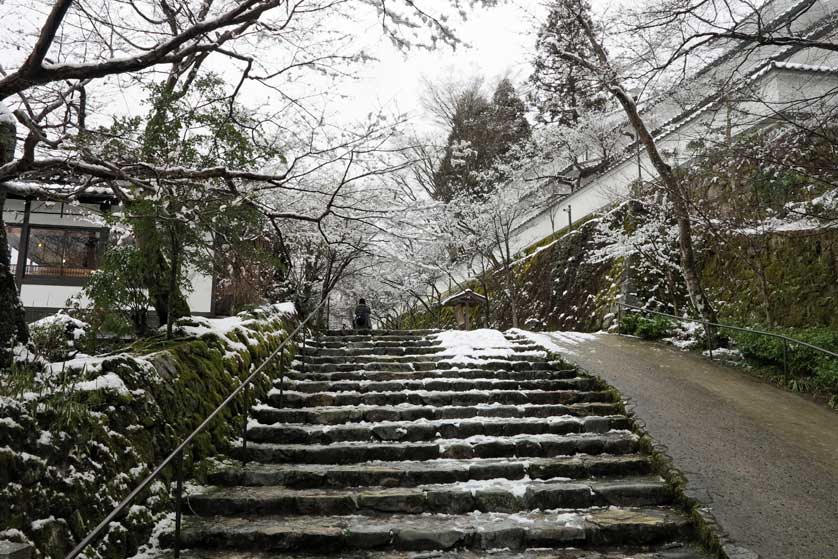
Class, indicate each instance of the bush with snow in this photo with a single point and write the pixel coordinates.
(57, 337)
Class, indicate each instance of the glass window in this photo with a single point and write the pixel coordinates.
(13, 233)
(71, 253)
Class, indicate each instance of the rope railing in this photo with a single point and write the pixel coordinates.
(176, 455)
(786, 339)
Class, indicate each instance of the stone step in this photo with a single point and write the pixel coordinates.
(392, 338)
(411, 473)
(505, 364)
(371, 350)
(530, 374)
(480, 446)
(671, 550)
(483, 531)
(532, 356)
(500, 495)
(424, 430)
(292, 399)
(335, 415)
(437, 385)
(319, 343)
(378, 333)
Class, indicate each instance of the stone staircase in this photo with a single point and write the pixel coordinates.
(384, 449)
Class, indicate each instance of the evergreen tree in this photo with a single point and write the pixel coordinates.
(563, 91)
(482, 131)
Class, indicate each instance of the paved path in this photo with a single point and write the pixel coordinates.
(765, 460)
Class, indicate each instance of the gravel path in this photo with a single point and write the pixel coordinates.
(765, 460)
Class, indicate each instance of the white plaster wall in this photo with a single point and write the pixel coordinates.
(200, 297)
(49, 296)
(779, 88)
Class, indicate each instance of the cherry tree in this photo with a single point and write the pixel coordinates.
(72, 56)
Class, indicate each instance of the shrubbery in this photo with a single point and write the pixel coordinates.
(57, 337)
(646, 328)
(805, 366)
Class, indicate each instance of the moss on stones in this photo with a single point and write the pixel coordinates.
(76, 467)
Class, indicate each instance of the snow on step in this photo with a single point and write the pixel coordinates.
(484, 531)
(494, 495)
(478, 446)
(438, 385)
(668, 551)
(386, 444)
(293, 399)
(501, 374)
(410, 473)
(423, 429)
(334, 415)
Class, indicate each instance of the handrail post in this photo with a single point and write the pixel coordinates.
(303, 350)
(178, 497)
(785, 357)
(709, 339)
(619, 316)
(244, 429)
(281, 378)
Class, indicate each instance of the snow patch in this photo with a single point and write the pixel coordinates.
(469, 346)
(555, 342)
(109, 381)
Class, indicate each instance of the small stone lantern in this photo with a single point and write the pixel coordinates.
(462, 303)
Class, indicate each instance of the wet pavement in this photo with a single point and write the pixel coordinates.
(765, 460)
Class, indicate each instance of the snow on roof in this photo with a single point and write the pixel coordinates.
(56, 189)
(464, 297)
(688, 116)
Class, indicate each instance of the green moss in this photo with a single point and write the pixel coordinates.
(174, 387)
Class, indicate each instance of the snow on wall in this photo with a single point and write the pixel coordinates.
(779, 86)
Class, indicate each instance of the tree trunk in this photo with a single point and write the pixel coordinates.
(670, 183)
(173, 277)
(679, 204)
(13, 327)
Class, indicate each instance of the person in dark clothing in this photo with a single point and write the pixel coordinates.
(362, 316)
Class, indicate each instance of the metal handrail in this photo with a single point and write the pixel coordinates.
(786, 340)
(178, 452)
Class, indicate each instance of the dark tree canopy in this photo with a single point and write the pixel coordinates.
(563, 91)
(482, 130)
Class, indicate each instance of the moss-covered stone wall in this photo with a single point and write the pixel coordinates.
(780, 279)
(90, 430)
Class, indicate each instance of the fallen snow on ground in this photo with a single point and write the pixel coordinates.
(517, 487)
(556, 342)
(109, 381)
(470, 346)
(725, 354)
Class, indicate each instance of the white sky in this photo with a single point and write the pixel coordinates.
(499, 42)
